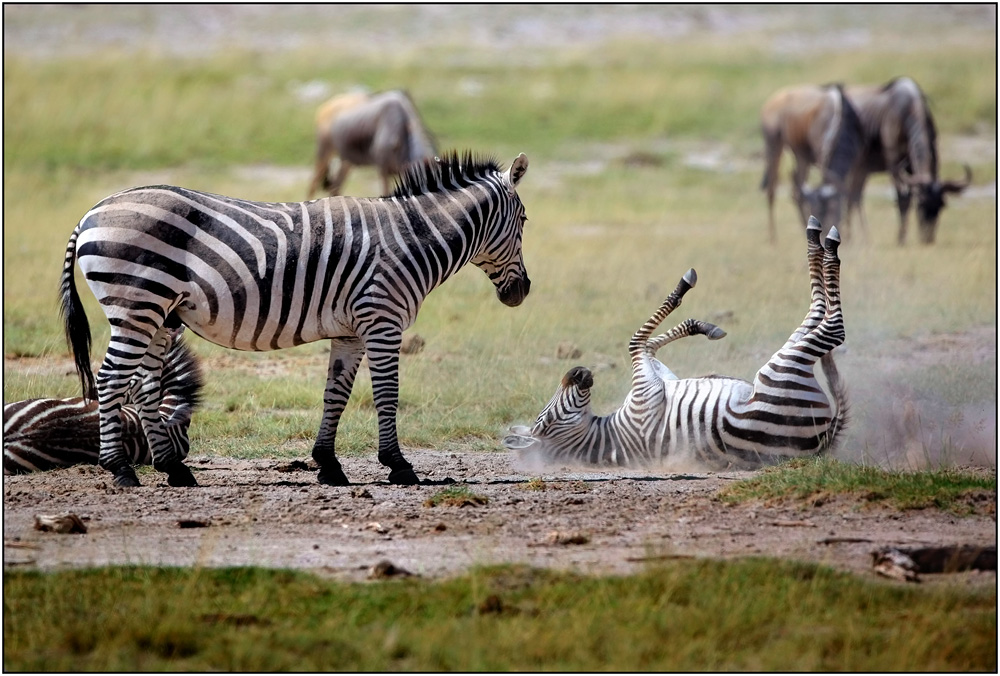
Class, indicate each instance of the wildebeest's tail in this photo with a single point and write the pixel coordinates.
(842, 415)
(75, 320)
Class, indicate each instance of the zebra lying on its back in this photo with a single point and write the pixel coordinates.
(43, 434)
(717, 421)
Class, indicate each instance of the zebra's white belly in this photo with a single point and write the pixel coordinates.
(220, 331)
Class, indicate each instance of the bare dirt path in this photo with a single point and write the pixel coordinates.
(273, 513)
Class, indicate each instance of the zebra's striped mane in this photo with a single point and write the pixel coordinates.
(445, 173)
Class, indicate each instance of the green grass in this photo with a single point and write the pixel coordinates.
(456, 496)
(753, 614)
(814, 480)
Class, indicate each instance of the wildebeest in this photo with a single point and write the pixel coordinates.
(384, 130)
(821, 128)
(884, 128)
(899, 136)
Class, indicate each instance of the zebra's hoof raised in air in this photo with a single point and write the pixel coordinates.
(404, 476)
(332, 476)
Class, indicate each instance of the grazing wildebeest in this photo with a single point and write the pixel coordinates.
(384, 130)
(821, 128)
(899, 136)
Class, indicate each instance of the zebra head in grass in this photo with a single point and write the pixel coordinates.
(501, 257)
(564, 421)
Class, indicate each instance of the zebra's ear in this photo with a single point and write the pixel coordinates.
(517, 170)
(519, 438)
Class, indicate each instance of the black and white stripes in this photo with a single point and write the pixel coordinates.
(716, 421)
(264, 276)
(43, 434)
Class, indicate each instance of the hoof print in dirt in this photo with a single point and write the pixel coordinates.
(192, 523)
(295, 466)
(385, 569)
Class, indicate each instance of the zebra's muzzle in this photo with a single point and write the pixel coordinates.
(514, 292)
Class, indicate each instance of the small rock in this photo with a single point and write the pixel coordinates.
(560, 538)
(892, 563)
(385, 569)
(60, 523)
(567, 350)
(490, 605)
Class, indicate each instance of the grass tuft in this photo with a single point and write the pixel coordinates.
(815, 480)
(456, 496)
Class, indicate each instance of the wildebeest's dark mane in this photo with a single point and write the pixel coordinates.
(444, 173)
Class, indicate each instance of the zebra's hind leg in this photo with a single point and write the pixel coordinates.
(345, 357)
(817, 285)
(637, 347)
(112, 384)
(689, 327)
(167, 456)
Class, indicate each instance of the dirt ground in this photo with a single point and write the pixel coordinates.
(274, 513)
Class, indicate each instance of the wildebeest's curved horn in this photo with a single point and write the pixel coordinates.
(958, 186)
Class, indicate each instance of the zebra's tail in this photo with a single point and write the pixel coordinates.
(75, 320)
(841, 417)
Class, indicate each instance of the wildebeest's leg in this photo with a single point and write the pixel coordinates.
(345, 357)
(903, 195)
(382, 345)
(772, 159)
(166, 457)
(799, 176)
(855, 196)
(385, 181)
(321, 172)
(334, 184)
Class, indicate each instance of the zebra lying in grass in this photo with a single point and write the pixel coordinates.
(43, 434)
(717, 421)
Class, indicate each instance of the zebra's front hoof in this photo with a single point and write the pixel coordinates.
(127, 479)
(181, 476)
(332, 476)
(404, 476)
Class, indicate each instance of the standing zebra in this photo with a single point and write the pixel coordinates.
(43, 434)
(717, 421)
(264, 276)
